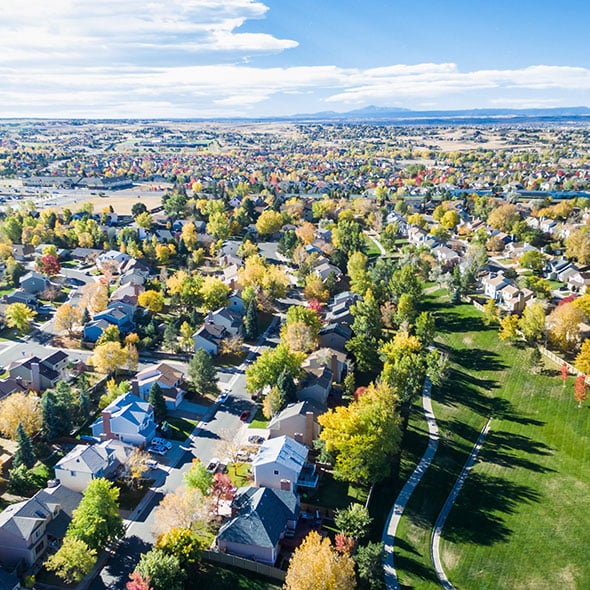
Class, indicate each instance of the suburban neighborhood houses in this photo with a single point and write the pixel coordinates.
(243, 345)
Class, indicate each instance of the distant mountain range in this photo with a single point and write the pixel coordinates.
(373, 113)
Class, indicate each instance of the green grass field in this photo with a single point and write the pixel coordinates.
(520, 521)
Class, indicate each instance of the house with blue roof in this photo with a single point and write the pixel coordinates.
(128, 419)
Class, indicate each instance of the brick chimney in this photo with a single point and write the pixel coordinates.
(334, 367)
(35, 377)
(106, 425)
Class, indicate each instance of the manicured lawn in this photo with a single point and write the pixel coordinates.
(372, 248)
(259, 421)
(518, 522)
(214, 577)
(239, 474)
(180, 428)
(333, 493)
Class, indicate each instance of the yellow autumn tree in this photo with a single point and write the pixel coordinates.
(20, 407)
(316, 565)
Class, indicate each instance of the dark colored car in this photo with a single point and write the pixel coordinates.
(245, 415)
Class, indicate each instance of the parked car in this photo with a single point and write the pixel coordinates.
(162, 442)
(213, 465)
(152, 464)
(157, 450)
(245, 415)
(223, 397)
(256, 439)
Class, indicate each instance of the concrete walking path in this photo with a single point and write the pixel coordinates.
(401, 501)
(446, 509)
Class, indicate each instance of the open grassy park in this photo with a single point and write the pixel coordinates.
(521, 520)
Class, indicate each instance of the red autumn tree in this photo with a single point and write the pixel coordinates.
(138, 582)
(49, 265)
(344, 544)
(315, 305)
(564, 373)
(223, 488)
(580, 390)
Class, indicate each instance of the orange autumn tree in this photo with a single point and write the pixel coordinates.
(580, 390)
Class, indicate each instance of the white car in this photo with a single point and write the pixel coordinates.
(162, 442)
(223, 397)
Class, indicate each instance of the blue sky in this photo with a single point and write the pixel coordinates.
(223, 58)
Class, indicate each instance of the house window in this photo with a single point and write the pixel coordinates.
(275, 472)
(40, 548)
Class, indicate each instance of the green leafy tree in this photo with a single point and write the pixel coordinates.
(405, 365)
(157, 401)
(202, 372)
(251, 320)
(163, 570)
(367, 328)
(268, 367)
(197, 477)
(532, 321)
(97, 521)
(534, 260)
(353, 521)
(72, 561)
(405, 280)
(425, 328)
(20, 481)
(369, 564)
(24, 454)
(364, 436)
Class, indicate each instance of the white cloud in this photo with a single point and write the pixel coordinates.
(185, 58)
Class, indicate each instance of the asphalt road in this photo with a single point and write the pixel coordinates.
(207, 441)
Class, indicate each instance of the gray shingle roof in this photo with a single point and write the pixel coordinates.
(262, 517)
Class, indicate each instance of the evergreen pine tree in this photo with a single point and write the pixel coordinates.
(24, 454)
(157, 401)
(85, 316)
(287, 387)
(50, 427)
(84, 404)
(251, 321)
(202, 372)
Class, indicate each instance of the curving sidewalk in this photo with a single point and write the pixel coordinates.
(446, 509)
(401, 501)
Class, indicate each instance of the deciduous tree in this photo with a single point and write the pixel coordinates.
(95, 297)
(316, 564)
(583, 358)
(72, 561)
(109, 358)
(97, 521)
(270, 364)
(269, 222)
(163, 570)
(364, 435)
(138, 582)
(184, 508)
(184, 544)
(153, 301)
(197, 477)
(20, 408)
(67, 317)
(19, 316)
(353, 521)
(509, 328)
(49, 265)
(564, 326)
(580, 389)
(532, 321)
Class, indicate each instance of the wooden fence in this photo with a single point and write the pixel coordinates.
(245, 564)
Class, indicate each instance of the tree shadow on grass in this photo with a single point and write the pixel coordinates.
(452, 321)
(477, 516)
(478, 359)
(415, 568)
